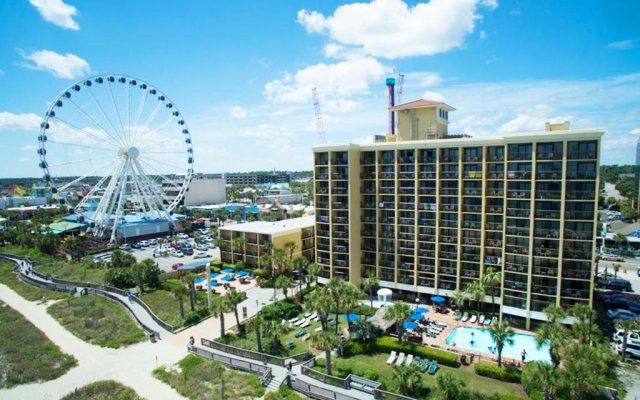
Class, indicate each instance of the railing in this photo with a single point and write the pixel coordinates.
(317, 392)
(152, 315)
(254, 355)
(264, 371)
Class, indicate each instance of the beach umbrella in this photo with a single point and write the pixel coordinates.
(416, 317)
(438, 299)
(351, 317)
(227, 271)
(421, 310)
(410, 325)
(226, 278)
(242, 273)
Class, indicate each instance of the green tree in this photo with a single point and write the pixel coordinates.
(620, 240)
(369, 284)
(284, 282)
(626, 326)
(319, 301)
(335, 287)
(219, 306)
(234, 298)
(449, 387)
(351, 296)
(255, 324)
(325, 341)
(291, 247)
(502, 334)
(539, 376)
(363, 330)
(275, 329)
(238, 245)
(190, 278)
(315, 270)
(398, 312)
(179, 292)
(492, 280)
(584, 369)
(121, 259)
(300, 263)
(556, 336)
(408, 378)
(475, 290)
(585, 327)
(48, 243)
(459, 298)
(554, 313)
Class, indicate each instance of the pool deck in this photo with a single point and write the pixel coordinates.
(449, 320)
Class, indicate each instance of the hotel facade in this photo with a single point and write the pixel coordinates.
(429, 213)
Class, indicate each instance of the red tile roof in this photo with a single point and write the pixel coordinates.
(419, 104)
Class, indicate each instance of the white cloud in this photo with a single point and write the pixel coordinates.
(26, 121)
(623, 44)
(26, 160)
(29, 147)
(423, 79)
(340, 80)
(483, 35)
(57, 12)
(238, 113)
(67, 66)
(635, 131)
(392, 29)
(435, 96)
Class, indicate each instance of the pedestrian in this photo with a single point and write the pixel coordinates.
(192, 341)
(290, 366)
(523, 355)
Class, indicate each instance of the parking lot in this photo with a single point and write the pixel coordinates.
(630, 264)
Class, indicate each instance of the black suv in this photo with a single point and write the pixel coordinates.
(615, 284)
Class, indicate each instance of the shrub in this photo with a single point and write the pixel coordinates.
(259, 273)
(196, 316)
(321, 362)
(387, 344)
(287, 308)
(501, 373)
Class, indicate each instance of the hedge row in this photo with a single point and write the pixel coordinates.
(286, 308)
(501, 373)
(388, 344)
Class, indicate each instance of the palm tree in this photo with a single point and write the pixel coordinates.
(237, 245)
(219, 306)
(363, 330)
(584, 328)
(325, 341)
(459, 298)
(291, 247)
(449, 387)
(223, 214)
(541, 376)
(626, 326)
(369, 284)
(300, 263)
(620, 239)
(275, 329)
(314, 272)
(554, 313)
(398, 312)
(219, 242)
(320, 302)
(585, 368)
(179, 292)
(351, 296)
(335, 287)
(556, 336)
(284, 282)
(234, 298)
(408, 378)
(192, 290)
(265, 261)
(476, 292)
(502, 334)
(492, 280)
(255, 324)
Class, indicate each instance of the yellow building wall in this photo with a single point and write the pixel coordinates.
(414, 123)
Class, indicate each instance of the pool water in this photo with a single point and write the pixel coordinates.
(482, 341)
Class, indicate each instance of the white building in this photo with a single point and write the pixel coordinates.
(202, 190)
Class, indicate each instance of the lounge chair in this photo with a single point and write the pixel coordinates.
(306, 323)
(463, 359)
(300, 333)
(425, 365)
(392, 357)
(458, 316)
(487, 321)
(409, 360)
(493, 320)
(319, 329)
(481, 320)
(400, 359)
(300, 322)
(473, 319)
(433, 367)
(294, 320)
(307, 315)
(314, 315)
(465, 317)
(290, 344)
(416, 361)
(306, 337)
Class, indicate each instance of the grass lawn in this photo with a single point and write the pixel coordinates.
(103, 390)
(97, 321)
(200, 379)
(73, 271)
(26, 290)
(27, 354)
(164, 304)
(378, 364)
(33, 252)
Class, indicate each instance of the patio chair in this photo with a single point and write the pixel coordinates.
(306, 337)
(290, 344)
(481, 320)
(294, 320)
(306, 324)
(487, 321)
(433, 368)
(400, 359)
(425, 365)
(473, 319)
(392, 357)
(319, 329)
(416, 361)
(409, 360)
(465, 317)
(458, 316)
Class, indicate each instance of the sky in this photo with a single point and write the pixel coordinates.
(241, 72)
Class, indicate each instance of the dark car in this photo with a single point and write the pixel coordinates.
(187, 251)
(615, 284)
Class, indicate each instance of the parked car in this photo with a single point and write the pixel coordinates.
(621, 313)
(203, 231)
(612, 257)
(202, 247)
(176, 266)
(176, 253)
(176, 246)
(201, 254)
(615, 284)
(125, 247)
(182, 236)
(160, 252)
(187, 251)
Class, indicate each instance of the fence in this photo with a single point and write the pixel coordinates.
(158, 321)
(254, 355)
(317, 392)
(260, 369)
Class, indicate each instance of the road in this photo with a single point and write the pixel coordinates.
(610, 190)
(630, 264)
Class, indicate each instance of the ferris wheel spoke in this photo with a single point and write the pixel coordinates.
(162, 152)
(129, 114)
(104, 116)
(75, 128)
(81, 145)
(116, 142)
(153, 188)
(116, 111)
(90, 173)
(78, 161)
(162, 175)
(152, 116)
(93, 190)
(161, 164)
(159, 129)
(142, 102)
(156, 143)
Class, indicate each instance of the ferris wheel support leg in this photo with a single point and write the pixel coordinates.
(123, 184)
(102, 216)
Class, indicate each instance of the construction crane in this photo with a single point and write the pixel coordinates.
(319, 121)
(399, 97)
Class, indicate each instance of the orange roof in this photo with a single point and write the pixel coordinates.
(422, 103)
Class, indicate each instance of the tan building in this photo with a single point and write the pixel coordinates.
(428, 212)
(257, 234)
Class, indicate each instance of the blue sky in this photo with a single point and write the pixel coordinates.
(241, 73)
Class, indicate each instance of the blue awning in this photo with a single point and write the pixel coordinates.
(420, 310)
(351, 317)
(242, 273)
(227, 271)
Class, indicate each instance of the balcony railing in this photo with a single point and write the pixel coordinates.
(495, 209)
(492, 226)
(449, 223)
(448, 207)
(494, 243)
(406, 206)
(519, 155)
(427, 175)
(495, 193)
(472, 209)
(524, 250)
(495, 158)
(547, 233)
(472, 225)
(545, 175)
(495, 175)
(580, 176)
(545, 271)
(578, 235)
(517, 231)
(406, 175)
(548, 194)
(518, 194)
(448, 192)
(581, 156)
(322, 177)
(575, 274)
(579, 215)
(449, 175)
(518, 212)
(338, 176)
(472, 192)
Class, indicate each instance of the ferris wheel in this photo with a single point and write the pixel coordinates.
(122, 140)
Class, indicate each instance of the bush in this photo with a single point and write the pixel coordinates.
(321, 362)
(491, 370)
(287, 308)
(347, 366)
(387, 344)
(196, 316)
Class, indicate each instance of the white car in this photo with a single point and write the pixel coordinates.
(201, 254)
(202, 247)
(204, 231)
(183, 236)
(176, 253)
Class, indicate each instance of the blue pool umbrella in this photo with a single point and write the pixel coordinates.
(242, 273)
(410, 325)
(351, 317)
(198, 280)
(416, 317)
(437, 299)
(226, 278)
(213, 275)
(420, 310)
(227, 271)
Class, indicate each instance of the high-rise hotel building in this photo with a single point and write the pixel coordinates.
(429, 213)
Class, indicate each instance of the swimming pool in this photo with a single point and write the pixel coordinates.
(462, 336)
